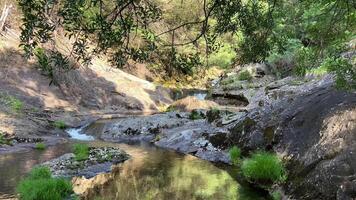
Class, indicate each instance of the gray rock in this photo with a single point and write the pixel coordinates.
(100, 160)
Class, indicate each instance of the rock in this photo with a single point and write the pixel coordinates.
(312, 126)
(140, 128)
(191, 103)
(99, 160)
(194, 138)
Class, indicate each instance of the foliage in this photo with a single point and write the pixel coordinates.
(40, 146)
(178, 36)
(44, 62)
(81, 151)
(195, 115)
(235, 154)
(276, 195)
(15, 104)
(39, 185)
(222, 58)
(345, 72)
(60, 124)
(263, 168)
(2, 138)
(244, 76)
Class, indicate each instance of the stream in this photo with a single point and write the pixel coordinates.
(150, 173)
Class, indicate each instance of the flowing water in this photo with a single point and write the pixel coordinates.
(151, 173)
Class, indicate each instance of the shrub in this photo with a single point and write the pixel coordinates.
(195, 115)
(235, 154)
(44, 62)
(40, 186)
(276, 195)
(81, 152)
(12, 102)
(40, 146)
(244, 76)
(223, 58)
(60, 124)
(2, 138)
(345, 72)
(263, 168)
(40, 173)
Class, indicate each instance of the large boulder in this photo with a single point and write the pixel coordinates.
(312, 126)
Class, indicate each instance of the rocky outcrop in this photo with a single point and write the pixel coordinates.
(99, 160)
(169, 130)
(311, 125)
(190, 103)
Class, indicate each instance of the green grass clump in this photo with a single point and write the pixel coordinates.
(15, 104)
(235, 154)
(2, 138)
(40, 146)
(60, 124)
(81, 152)
(263, 168)
(195, 115)
(39, 185)
(244, 76)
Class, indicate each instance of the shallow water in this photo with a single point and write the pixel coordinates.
(151, 173)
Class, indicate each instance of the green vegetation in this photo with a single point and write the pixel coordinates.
(276, 195)
(13, 103)
(44, 62)
(195, 115)
(293, 36)
(40, 146)
(244, 76)
(81, 151)
(60, 124)
(263, 168)
(235, 154)
(39, 185)
(3, 140)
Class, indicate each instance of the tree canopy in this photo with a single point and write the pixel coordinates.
(182, 34)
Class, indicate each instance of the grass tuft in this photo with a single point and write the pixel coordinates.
(195, 115)
(81, 151)
(263, 168)
(39, 185)
(235, 154)
(244, 76)
(60, 124)
(40, 146)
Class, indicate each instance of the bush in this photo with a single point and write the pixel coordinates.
(223, 58)
(40, 186)
(244, 76)
(235, 154)
(14, 104)
(263, 168)
(40, 146)
(81, 152)
(345, 72)
(44, 62)
(59, 124)
(40, 173)
(195, 115)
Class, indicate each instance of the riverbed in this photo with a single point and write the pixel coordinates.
(150, 173)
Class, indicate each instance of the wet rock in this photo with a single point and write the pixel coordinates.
(312, 126)
(142, 128)
(195, 138)
(99, 160)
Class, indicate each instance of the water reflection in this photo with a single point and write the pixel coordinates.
(15, 165)
(153, 173)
